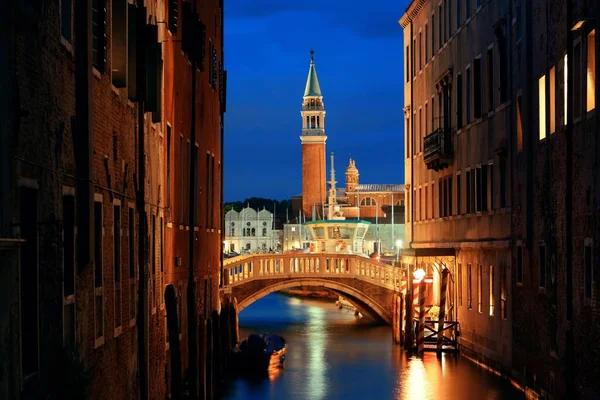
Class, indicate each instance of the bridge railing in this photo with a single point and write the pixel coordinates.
(239, 270)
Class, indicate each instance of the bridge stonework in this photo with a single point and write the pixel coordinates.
(368, 284)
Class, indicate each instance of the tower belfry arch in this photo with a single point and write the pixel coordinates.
(313, 140)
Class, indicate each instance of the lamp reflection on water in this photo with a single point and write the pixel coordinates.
(317, 336)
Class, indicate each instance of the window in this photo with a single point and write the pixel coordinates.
(492, 304)
(117, 261)
(99, 42)
(212, 78)
(478, 190)
(542, 265)
(162, 263)
(490, 186)
(502, 166)
(542, 107)
(180, 306)
(459, 277)
(414, 58)
(421, 55)
(440, 27)
(433, 199)
(98, 273)
(212, 191)
(368, 201)
(458, 193)
(587, 269)
(519, 271)
(468, 93)
(181, 179)
(432, 35)
(207, 190)
(426, 53)
(132, 276)
(426, 203)
(477, 88)
(577, 80)
(153, 265)
(479, 288)
(118, 43)
(188, 183)
(421, 135)
(196, 206)
(449, 20)
(565, 86)
(66, 19)
(519, 123)
(425, 121)
(503, 77)
(458, 16)
(408, 135)
(490, 79)
(552, 95)
(449, 197)
(69, 272)
(168, 164)
(459, 101)
(469, 288)
(468, 189)
(478, 3)
(503, 304)
(407, 58)
(29, 281)
(591, 71)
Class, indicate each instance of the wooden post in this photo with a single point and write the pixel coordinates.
(394, 318)
(421, 333)
(209, 359)
(235, 323)
(174, 350)
(442, 316)
(403, 327)
(202, 357)
(408, 322)
(402, 317)
(398, 317)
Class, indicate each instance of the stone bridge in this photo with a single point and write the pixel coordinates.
(368, 284)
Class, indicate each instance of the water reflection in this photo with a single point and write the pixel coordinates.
(334, 355)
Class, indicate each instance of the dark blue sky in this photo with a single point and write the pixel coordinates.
(358, 56)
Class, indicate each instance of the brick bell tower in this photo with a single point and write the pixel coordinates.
(313, 140)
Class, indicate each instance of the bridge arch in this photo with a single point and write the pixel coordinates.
(362, 301)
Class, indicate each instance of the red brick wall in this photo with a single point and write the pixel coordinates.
(313, 176)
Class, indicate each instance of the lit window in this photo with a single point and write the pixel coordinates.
(492, 304)
(552, 111)
(591, 71)
(542, 106)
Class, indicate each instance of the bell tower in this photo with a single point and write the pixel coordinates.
(351, 176)
(313, 142)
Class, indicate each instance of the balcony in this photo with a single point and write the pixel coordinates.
(437, 149)
(312, 108)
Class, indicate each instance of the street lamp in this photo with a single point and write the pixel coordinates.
(419, 275)
(398, 246)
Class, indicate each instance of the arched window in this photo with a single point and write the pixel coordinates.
(232, 231)
(253, 231)
(400, 203)
(318, 122)
(368, 201)
(264, 232)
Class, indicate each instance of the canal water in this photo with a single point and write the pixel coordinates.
(332, 354)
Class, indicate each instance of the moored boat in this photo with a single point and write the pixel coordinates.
(259, 353)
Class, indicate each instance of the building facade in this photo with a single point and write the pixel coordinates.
(501, 170)
(457, 113)
(86, 210)
(249, 230)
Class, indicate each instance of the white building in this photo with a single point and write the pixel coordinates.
(250, 230)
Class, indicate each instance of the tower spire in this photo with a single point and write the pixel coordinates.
(312, 82)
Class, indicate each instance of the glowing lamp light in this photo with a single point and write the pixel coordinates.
(398, 243)
(419, 274)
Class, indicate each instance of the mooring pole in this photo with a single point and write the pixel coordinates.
(442, 316)
(421, 334)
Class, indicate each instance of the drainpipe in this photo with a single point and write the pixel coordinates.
(191, 290)
(142, 318)
(569, 344)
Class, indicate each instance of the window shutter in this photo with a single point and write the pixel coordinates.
(119, 43)
(132, 52)
(173, 16)
(153, 55)
(200, 49)
(157, 115)
(188, 28)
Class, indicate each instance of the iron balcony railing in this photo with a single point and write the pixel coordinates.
(437, 149)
